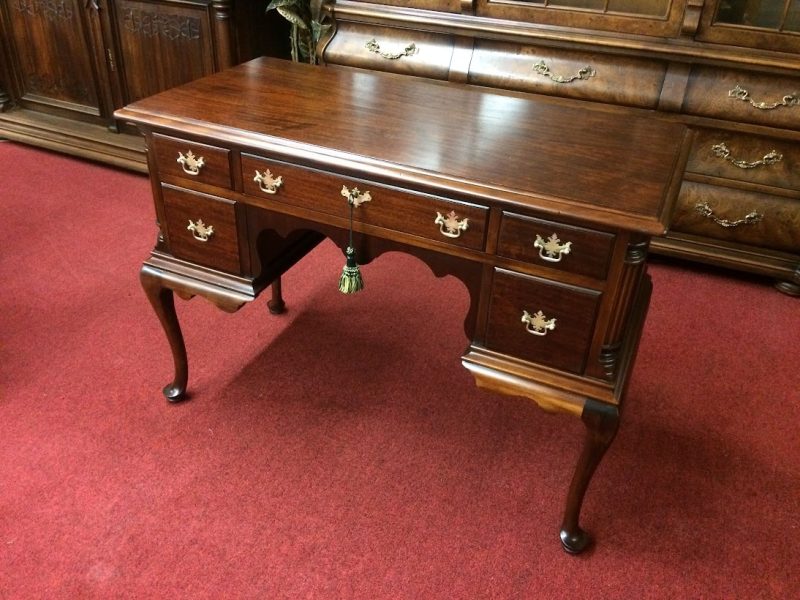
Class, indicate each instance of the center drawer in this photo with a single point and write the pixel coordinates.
(542, 321)
(432, 217)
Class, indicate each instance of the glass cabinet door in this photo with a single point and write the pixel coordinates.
(643, 17)
(766, 24)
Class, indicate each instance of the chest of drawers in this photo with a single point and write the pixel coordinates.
(543, 210)
(728, 69)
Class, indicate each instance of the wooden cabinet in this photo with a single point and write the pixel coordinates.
(730, 69)
(66, 65)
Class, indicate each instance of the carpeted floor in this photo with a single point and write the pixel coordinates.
(341, 451)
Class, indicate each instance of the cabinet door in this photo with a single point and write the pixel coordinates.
(54, 56)
(645, 17)
(766, 24)
(162, 44)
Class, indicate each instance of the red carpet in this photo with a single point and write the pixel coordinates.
(341, 451)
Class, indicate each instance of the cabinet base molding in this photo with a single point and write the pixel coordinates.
(84, 140)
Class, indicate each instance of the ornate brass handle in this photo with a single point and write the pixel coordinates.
(742, 94)
(450, 225)
(374, 47)
(267, 183)
(200, 231)
(191, 164)
(354, 197)
(537, 323)
(552, 250)
(770, 158)
(584, 73)
(749, 219)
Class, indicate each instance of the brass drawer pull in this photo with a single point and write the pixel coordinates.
(749, 219)
(355, 197)
(200, 231)
(374, 47)
(742, 94)
(267, 183)
(584, 73)
(191, 164)
(722, 151)
(450, 226)
(552, 250)
(537, 323)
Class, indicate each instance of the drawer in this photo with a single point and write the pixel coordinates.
(727, 214)
(192, 160)
(744, 96)
(416, 214)
(749, 158)
(555, 245)
(594, 76)
(390, 49)
(541, 321)
(202, 228)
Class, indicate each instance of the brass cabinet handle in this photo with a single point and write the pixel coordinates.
(200, 231)
(267, 183)
(584, 73)
(191, 164)
(537, 323)
(374, 47)
(749, 219)
(739, 93)
(552, 250)
(355, 197)
(722, 151)
(450, 225)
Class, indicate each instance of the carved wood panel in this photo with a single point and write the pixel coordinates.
(53, 54)
(162, 45)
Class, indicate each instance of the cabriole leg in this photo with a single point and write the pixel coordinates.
(276, 305)
(602, 422)
(163, 302)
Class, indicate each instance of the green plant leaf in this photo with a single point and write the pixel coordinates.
(292, 17)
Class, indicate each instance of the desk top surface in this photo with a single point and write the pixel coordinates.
(614, 167)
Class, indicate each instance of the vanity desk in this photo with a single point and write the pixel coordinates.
(542, 207)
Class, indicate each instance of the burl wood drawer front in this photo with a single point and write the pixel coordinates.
(747, 158)
(192, 160)
(431, 217)
(744, 96)
(554, 71)
(391, 49)
(732, 215)
(555, 245)
(202, 228)
(542, 321)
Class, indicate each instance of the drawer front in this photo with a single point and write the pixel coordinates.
(585, 75)
(744, 96)
(189, 215)
(727, 214)
(390, 49)
(749, 158)
(555, 245)
(192, 161)
(559, 320)
(416, 214)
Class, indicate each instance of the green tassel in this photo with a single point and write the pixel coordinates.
(351, 282)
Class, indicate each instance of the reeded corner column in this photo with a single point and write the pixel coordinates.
(222, 21)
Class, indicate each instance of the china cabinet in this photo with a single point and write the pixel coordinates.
(66, 65)
(728, 68)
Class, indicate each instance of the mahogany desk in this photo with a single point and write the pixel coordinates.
(542, 207)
